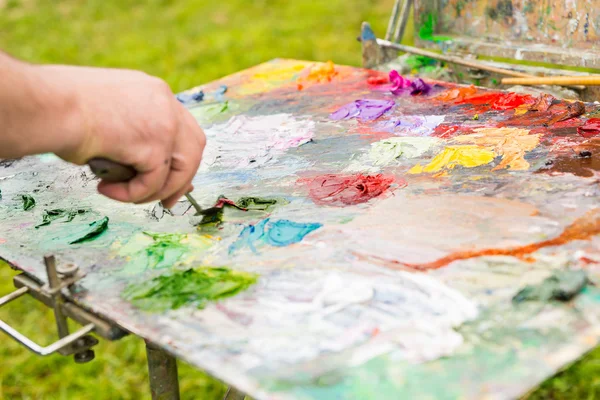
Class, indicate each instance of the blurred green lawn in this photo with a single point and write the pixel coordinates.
(186, 43)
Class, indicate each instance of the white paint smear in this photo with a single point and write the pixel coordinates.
(250, 142)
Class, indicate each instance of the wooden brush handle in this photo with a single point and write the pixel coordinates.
(593, 80)
(111, 171)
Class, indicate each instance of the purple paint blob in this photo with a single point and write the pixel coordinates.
(411, 125)
(365, 110)
(399, 83)
(418, 86)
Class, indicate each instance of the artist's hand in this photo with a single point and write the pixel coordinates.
(131, 118)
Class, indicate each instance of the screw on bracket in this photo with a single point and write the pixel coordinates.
(81, 347)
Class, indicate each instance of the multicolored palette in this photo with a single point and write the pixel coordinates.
(369, 240)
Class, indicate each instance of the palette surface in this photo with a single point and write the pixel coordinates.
(371, 239)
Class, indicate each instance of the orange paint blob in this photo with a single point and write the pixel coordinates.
(318, 73)
(457, 93)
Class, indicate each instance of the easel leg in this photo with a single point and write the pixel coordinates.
(162, 371)
(234, 394)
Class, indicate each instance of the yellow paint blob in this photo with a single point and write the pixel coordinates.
(280, 73)
(522, 109)
(268, 77)
(510, 143)
(451, 156)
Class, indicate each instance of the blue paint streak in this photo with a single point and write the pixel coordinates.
(186, 98)
(284, 232)
(249, 235)
(220, 93)
(278, 233)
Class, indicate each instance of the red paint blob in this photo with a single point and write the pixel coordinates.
(498, 101)
(345, 190)
(377, 80)
(590, 129)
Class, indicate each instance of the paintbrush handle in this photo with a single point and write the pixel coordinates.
(593, 80)
(111, 171)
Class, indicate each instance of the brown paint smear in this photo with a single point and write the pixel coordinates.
(546, 116)
(581, 160)
(582, 228)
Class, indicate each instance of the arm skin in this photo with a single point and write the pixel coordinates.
(80, 113)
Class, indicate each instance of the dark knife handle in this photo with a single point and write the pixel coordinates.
(111, 171)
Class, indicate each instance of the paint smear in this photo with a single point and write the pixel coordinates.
(498, 101)
(92, 231)
(259, 203)
(451, 156)
(152, 250)
(561, 286)
(268, 76)
(190, 288)
(67, 215)
(411, 125)
(28, 202)
(214, 215)
(250, 142)
(319, 73)
(510, 143)
(582, 228)
(457, 93)
(580, 160)
(542, 103)
(190, 97)
(278, 73)
(387, 151)
(399, 85)
(208, 112)
(590, 129)
(345, 190)
(275, 233)
(557, 112)
(365, 110)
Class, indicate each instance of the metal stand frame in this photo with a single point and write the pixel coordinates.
(164, 380)
(162, 374)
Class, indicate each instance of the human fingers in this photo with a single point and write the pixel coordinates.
(150, 178)
(187, 154)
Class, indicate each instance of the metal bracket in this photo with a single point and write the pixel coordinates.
(78, 343)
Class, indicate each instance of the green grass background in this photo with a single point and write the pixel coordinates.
(187, 43)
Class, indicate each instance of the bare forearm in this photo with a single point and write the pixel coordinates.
(33, 111)
(80, 113)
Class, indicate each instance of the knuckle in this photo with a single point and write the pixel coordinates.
(162, 86)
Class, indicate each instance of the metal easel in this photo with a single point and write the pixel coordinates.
(162, 367)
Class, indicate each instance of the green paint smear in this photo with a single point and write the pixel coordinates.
(427, 29)
(206, 112)
(159, 250)
(259, 203)
(165, 250)
(28, 202)
(59, 213)
(194, 287)
(386, 151)
(561, 286)
(94, 230)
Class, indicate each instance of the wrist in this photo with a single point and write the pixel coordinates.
(57, 124)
